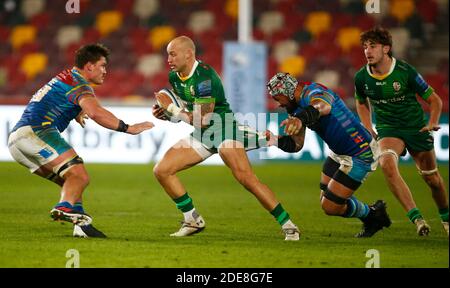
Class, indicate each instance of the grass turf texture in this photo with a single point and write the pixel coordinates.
(133, 210)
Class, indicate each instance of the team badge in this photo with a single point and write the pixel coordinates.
(191, 89)
(397, 86)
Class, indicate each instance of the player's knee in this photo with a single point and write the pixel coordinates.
(79, 175)
(332, 204)
(330, 209)
(160, 171)
(388, 160)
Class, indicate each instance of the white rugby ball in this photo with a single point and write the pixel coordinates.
(175, 99)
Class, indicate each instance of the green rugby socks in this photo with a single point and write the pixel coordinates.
(185, 205)
(280, 214)
(414, 214)
(443, 213)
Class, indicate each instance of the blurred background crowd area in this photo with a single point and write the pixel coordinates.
(315, 40)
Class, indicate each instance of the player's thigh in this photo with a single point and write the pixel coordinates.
(234, 155)
(38, 150)
(329, 168)
(352, 172)
(392, 143)
(184, 154)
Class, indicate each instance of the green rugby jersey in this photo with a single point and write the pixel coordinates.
(393, 96)
(203, 85)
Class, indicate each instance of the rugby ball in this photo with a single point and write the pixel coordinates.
(175, 99)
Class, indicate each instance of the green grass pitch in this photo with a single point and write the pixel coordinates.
(131, 208)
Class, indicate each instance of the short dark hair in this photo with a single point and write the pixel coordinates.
(90, 53)
(377, 35)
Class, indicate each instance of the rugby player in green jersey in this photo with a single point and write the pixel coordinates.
(391, 86)
(199, 85)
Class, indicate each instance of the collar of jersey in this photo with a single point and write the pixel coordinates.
(190, 74)
(381, 77)
(78, 74)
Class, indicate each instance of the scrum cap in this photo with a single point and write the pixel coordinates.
(282, 84)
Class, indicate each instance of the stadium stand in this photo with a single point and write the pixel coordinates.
(312, 39)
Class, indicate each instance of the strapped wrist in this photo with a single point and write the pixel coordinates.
(122, 126)
(287, 144)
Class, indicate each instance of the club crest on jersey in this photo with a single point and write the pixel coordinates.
(191, 89)
(397, 86)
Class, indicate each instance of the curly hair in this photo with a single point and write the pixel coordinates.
(377, 35)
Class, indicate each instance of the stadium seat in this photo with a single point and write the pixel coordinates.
(4, 33)
(21, 35)
(124, 6)
(232, 8)
(318, 22)
(348, 37)
(295, 65)
(402, 9)
(41, 21)
(365, 22)
(145, 8)
(108, 21)
(400, 39)
(428, 10)
(32, 7)
(160, 36)
(329, 78)
(68, 35)
(33, 64)
(201, 21)
(270, 22)
(285, 49)
(3, 76)
(149, 65)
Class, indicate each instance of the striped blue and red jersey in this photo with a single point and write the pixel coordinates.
(341, 129)
(57, 103)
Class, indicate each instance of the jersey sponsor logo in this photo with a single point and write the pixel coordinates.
(397, 86)
(386, 101)
(381, 83)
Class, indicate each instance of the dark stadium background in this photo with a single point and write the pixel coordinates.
(311, 39)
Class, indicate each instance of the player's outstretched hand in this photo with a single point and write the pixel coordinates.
(158, 112)
(81, 119)
(430, 127)
(293, 126)
(139, 127)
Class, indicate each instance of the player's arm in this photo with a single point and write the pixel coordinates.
(435, 103)
(203, 111)
(92, 108)
(363, 107)
(364, 111)
(309, 116)
(199, 117)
